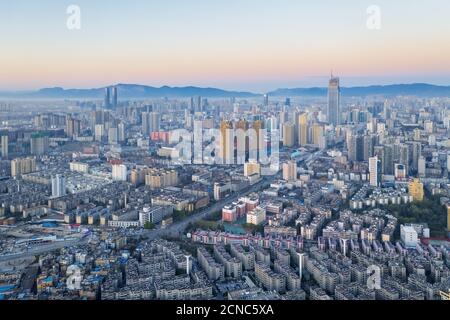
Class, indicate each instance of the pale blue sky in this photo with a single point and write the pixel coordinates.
(234, 44)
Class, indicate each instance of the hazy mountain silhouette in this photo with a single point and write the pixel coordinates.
(136, 91)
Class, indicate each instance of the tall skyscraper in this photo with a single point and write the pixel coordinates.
(58, 186)
(369, 142)
(303, 129)
(119, 172)
(107, 102)
(266, 100)
(374, 171)
(388, 160)
(294, 116)
(155, 122)
(448, 219)
(242, 141)
(416, 151)
(356, 147)
(192, 106)
(198, 104)
(22, 166)
(415, 189)
(150, 122)
(121, 132)
(287, 102)
(99, 132)
(114, 97)
(258, 126)
(403, 156)
(422, 167)
(73, 127)
(113, 135)
(334, 97)
(290, 171)
(251, 168)
(5, 144)
(226, 149)
(318, 136)
(288, 134)
(39, 144)
(145, 123)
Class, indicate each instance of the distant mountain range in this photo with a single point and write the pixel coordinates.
(135, 91)
(128, 91)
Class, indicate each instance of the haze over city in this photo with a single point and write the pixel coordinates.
(240, 45)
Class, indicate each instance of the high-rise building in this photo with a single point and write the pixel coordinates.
(266, 100)
(73, 127)
(99, 132)
(416, 151)
(187, 118)
(114, 98)
(318, 137)
(288, 134)
(39, 144)
(403, 156)
(388, 160)
(242, 141)
(145, 123)
(252, 167)
(150, 122)
(334, 97)
(409, 236)
(287, 102)
(303, 129)
(121, 132)
(5, 145)
(282, 120)
(448, 162)
(258, 126)
(399, 171)
(119, 172)
(107, 101)
(448, 218)
(290, 171)
(271, 124)
(294, 115)
(369, 142)
(374, 171)
(113, 135)
(415, 189)
(198, 105)
(355, 147)
(160, 178)
(58, 186)
(226, 150)
(21, 166)
(422, 167)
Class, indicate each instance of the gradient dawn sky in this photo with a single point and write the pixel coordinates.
(253, 45)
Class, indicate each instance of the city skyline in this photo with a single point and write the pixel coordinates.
(246, 46)
(228, 156)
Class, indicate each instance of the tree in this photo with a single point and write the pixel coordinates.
(149, 226)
